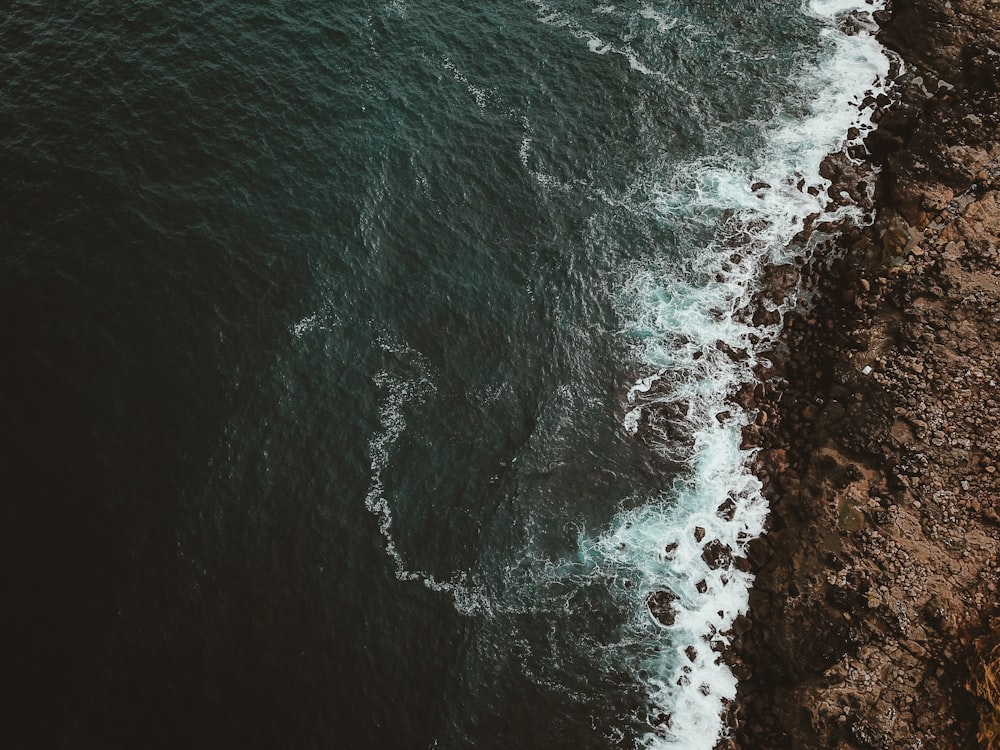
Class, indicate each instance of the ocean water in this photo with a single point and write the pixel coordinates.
(361, 368)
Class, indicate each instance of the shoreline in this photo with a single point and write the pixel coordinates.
(879, 435)
(697, 581)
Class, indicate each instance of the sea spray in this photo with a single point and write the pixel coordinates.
(681, 551)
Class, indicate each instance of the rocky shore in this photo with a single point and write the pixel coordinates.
(872, 621)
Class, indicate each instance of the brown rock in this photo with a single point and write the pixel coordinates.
(661, 606)
(716, 554)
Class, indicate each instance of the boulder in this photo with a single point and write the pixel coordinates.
(661, 606)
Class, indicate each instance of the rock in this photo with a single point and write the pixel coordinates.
(773, 462)
(744, 397)
(727, 510)
(737, 355)
(661, 606)
(937, 198)
(716, 554)
(750, 437)
(741, 624)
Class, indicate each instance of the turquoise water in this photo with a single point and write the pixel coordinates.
(325, 324)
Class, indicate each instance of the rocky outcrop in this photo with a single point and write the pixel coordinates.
(880, 450)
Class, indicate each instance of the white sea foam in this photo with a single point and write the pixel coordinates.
(398, 391)
(683, 313)
(525, 147)
(663, 22)
(397, 8)
(308, 323)
(597, 45)
(480, 95)
(545, 180)
(319, 321)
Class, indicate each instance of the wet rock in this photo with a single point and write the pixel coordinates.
(750, 437)
(744, 396)
(777, 281)
(763, 317)
(727, 510)
(716, 554)
(661, 606)
(741, 624)
(736, 354)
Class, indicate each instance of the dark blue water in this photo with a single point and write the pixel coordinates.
(318, 322)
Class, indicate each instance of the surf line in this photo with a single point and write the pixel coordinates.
(685, 552)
